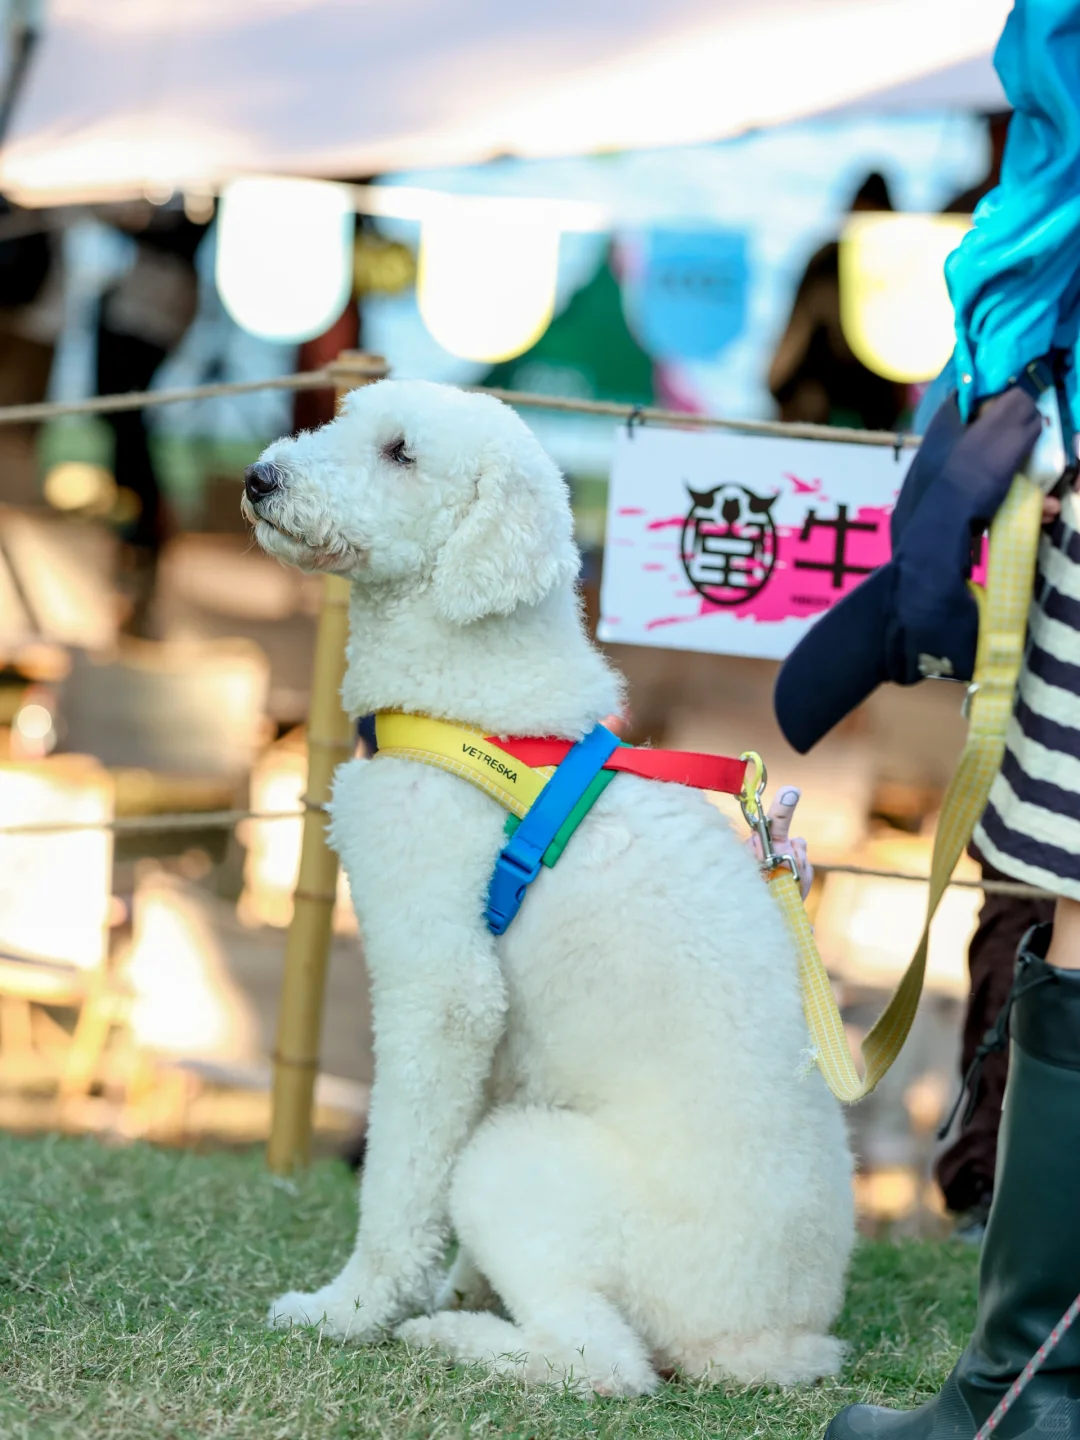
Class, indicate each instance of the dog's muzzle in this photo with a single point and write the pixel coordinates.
(261, 480)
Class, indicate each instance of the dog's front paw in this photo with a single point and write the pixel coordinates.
(423, 1333)
(338, 1314)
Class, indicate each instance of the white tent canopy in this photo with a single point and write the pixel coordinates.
(146, 96)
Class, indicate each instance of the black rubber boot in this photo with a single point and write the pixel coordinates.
(1029, 1272)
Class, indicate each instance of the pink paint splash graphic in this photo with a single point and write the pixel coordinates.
(804, 487)
(794, 591)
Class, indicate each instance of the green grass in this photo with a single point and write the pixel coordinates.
(133, 1284)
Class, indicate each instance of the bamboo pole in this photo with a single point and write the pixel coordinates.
(331, 740)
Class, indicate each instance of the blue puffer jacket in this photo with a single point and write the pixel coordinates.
(1015, 278)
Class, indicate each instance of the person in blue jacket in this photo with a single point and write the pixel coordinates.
(1015, 284)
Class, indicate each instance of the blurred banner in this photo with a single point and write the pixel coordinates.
(686, 293)
(733, 544)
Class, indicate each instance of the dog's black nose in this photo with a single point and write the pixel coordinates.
(261, 479)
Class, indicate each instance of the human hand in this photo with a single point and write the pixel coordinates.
(1051, 507)
(780, 813)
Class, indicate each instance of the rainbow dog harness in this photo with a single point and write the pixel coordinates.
(548, 787)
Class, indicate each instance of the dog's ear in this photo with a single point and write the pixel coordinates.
(515, 543)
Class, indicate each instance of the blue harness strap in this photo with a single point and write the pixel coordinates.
(519, 862)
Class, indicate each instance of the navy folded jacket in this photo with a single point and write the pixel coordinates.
(915, 616)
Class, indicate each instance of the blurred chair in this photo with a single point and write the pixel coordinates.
(55, 892)
(189, 711)
(179, 725)
(56, 581)
(171, 728)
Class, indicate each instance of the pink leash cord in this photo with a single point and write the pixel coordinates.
(1030, 1370)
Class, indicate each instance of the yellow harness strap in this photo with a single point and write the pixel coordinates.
(1014, 541)
(1014, 544)
(464, 752)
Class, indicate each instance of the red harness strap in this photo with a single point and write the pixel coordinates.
(677, 767)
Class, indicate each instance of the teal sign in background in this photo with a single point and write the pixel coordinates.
(688, 299)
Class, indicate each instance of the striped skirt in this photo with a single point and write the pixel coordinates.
(1031, 827)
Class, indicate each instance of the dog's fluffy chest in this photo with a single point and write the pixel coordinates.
(649, 957)
(416, 842)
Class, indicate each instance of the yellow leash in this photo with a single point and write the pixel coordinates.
(1014, 543)
(1014, 540)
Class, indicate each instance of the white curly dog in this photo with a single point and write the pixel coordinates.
(610, 1107)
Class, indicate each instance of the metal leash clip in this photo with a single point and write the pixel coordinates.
(751, 801)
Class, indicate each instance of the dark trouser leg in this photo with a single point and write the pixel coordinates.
(965, 1171)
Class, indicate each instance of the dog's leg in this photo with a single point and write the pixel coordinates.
(465, 1288)
(609, 1359)
(536, 1202)
(437, 1022)
(472, 1337)
(783, 1358)
(475, 1338)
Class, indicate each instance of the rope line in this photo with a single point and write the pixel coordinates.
(524, 400)
(991, 887)
(226, 819)
(678, 419)
(145, 399)
(152, 824)
(1030, 1370)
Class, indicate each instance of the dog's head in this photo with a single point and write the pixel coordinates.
(419, 486)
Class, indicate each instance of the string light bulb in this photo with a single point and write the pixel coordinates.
(895, 309)
(285, 255)
(487, 275)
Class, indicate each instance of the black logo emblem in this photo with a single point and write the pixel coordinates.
(729, 543)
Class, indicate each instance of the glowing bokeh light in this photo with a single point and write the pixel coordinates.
(34, 722)
(487, 273)
(284, 255)
(894, 305)
(78, 485)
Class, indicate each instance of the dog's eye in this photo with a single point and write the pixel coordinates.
(396, 453)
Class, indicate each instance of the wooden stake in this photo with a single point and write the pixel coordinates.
(331, 740)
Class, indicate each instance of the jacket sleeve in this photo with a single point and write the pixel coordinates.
(1015, 278)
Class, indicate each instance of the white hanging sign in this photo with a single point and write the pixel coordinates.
(734, 544)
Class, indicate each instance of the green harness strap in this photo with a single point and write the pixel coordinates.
(596, 788)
